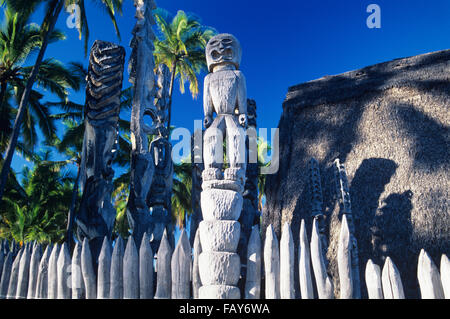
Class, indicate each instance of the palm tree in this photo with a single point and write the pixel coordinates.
(17, 41)
(181, 47)
(52, 12)
(181, 193)
(41, 214)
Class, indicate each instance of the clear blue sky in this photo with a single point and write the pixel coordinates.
(285, 42)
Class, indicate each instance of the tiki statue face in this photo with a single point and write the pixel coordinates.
(223, 49)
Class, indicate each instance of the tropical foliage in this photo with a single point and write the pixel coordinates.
(181, 46)
(39, 201)
(17, 41)
(38, 212)
(53, 9)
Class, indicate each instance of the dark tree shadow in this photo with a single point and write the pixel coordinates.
(366, 187)
(393, 236)
(431, 138)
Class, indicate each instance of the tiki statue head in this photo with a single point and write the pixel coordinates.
(223, 49)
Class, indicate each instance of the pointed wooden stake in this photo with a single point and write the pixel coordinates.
(24, 273)
(445, 275)
(253, 277)
(116, 275)
(196, 282)
(104, 269)
(53, 273)
(131, 271)
(181, 268)
(287, 263)
(304, 264)
(87, 269)
(64, 264)
(42, 281)
(145, 269)
(344, 259)
(164, 277)
(6, 274)
(373, 280)
(34, 271)
(325, 288)
(78, 288)
(272, 264)
(429, 277)
(392, 283)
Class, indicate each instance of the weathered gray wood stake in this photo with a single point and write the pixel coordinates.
(429, 277)
(34, 271)
(196, 281)
(344, 259)
(116, 281)
(78, 288)
(3, 248)
(131, 271)
(253, 276)
(181, 268)
(104, 269)
(42, 281)
(64, 264)
(324, 284)
(272, 264)
(12, 288)
(287, 263)
(14, 247)
(304, 264)
(53, 273)
(445, 275)
(145, 269)
(392, 283)
(373, 280)
(87, 269)
(163, 270)
(6, 274)
(23, 276)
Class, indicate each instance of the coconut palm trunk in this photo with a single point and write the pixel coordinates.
(57, 7)
(3, 88)
(172, 81)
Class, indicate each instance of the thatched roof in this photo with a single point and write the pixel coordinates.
(389, 125)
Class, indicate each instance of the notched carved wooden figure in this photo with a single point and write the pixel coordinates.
(225, 94)
(159, 196)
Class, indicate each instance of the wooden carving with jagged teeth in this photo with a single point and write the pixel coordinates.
(96, 215)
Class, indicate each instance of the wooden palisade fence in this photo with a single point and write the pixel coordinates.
(129, 272)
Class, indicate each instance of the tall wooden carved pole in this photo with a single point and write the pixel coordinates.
(95, 218)
(343, 196)
(221, 199)
(159, 197)
(317, 202)
(250, 214)
(143, 79)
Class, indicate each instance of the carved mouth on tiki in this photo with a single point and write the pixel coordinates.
(222, 55)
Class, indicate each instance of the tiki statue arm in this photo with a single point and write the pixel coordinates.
(208, 107)
(242, 98)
